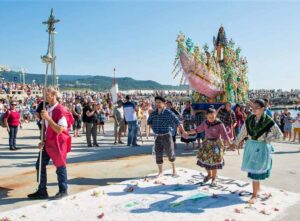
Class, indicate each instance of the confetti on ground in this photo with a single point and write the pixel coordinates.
(95, 194)
(205, 189)
(131, 204)
(265, 212)
(237, 210)
(159, 182)
(101, 215)
(5, 219)
(176, 200)
(174, 205)
(129, 189)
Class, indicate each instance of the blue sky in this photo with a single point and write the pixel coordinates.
(138, 37)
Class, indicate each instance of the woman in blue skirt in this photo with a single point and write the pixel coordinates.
(260, 130)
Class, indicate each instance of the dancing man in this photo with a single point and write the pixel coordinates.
(56, 145)
(162, 122)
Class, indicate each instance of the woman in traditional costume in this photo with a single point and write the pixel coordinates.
(257, 161)
(228, 118)
(210, 155)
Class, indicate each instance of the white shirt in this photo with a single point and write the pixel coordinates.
(62, 121)
(297, 123)
(129, 111)
(1, 108)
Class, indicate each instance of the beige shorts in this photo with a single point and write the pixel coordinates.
(120, 128)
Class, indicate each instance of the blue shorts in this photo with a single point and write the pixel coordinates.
(287, 128)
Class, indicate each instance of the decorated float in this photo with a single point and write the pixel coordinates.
(216, 75)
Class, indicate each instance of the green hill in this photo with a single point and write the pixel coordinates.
(96, 83)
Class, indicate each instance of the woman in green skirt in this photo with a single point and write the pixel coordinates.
(260, 130)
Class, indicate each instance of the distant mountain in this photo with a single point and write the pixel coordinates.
(96, 83)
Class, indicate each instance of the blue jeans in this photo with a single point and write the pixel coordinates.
(13, 130)
(132, 132)
(60, 171)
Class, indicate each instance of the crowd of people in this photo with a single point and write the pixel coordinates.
(7, 87)
(211, 131)
(276, 96)
(92, 110)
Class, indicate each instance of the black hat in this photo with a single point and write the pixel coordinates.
(260, 102)
(160, 98)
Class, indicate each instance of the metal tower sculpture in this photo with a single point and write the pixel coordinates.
(50, 57)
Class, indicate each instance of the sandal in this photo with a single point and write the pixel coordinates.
(252, 200)
(206, 179)
(213, 183)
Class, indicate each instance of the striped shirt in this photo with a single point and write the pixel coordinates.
(164, 122)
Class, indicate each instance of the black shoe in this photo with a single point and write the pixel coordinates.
(12, 148)
(60, 195)
(38, 195)
(17, 148)
(206, 179)
(90, 145)
(136, 145)
(96, 145)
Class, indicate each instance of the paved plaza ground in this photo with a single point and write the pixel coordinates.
(110, 164)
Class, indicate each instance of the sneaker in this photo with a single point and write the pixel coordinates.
(38, 195)
(60, 195)
(12, 148)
